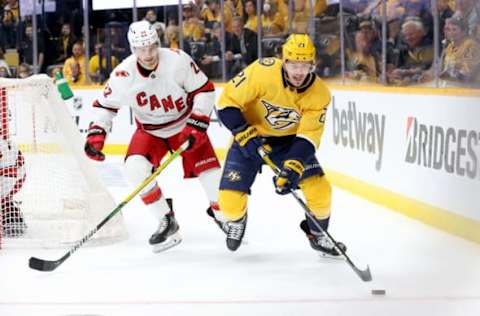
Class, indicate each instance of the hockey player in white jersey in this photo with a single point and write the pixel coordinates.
(171, 99)
(12, 177)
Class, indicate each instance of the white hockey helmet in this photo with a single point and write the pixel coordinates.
(142, 34)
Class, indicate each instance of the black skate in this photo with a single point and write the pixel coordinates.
(320, 242)
(236, 230)
(167, 235)
(223, 225)
(12, 221)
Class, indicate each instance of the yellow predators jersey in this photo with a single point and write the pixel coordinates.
(268, 103)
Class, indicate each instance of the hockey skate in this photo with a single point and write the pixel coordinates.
(321, 243)
(221, 224)
(12, 220)
(167, 234)
(236, 230)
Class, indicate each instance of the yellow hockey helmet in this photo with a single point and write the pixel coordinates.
(298, 47)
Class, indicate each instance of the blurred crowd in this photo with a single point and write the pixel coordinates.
(395, 42)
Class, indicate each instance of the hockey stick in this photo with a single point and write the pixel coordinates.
(365, 275)
(50, 265)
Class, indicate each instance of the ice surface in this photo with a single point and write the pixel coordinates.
(423, 270)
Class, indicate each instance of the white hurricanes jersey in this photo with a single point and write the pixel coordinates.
(163, 100)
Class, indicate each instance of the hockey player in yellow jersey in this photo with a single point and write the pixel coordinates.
(280, 105)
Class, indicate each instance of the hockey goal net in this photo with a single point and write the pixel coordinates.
(51, 195)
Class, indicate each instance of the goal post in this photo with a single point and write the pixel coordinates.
(51, 194)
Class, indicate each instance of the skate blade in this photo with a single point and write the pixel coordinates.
(171, 242)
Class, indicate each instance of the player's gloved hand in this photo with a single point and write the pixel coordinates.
(249, 140)
(288, 177)
(95, 141)
(195, 131)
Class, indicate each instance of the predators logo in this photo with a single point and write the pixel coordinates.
(280, 118)
(233, 176)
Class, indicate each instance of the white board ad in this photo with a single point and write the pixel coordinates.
(423, 147)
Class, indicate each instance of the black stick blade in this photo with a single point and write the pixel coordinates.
(43, 265)
(365, 275)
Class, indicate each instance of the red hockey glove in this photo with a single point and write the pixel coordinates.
(288, 177)
(95, 141)
(195, 131)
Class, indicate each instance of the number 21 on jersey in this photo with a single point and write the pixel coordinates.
(238, 79)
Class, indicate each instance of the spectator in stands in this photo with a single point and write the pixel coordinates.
(320, 7)
(198, 7)
(24, 71)
(172, 20)
(65, 43)
(361, 64)
(394, 38)
(415, 56)
(301, 15)
(211, 15)
(210, 62)
(273, 23)
(53, 70)
(422, 10)
(282, 6)
(3, 62)
(10, 22)
(172, 39)
(469, 11)
(4, 72)
(460, 62)
(74, 68)
(243, 49)
(374, 9)
(97, 64)
(444, 12)
(26, 49)
(369, 28)
(151, 17)
(193, 29)
(235, 7)
(251, 15)
(394, 43)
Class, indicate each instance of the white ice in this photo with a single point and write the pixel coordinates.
(423, 270)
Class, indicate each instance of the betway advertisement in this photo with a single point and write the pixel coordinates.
(422, 147)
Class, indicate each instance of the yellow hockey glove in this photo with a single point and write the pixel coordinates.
(249, 141)
(288, 177)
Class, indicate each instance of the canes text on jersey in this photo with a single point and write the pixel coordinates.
(166, 103)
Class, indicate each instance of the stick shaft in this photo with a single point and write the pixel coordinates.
(365, 275)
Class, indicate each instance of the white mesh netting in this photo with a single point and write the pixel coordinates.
(51, 195)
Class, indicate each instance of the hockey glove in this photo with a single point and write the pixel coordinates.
(95, 141)
(249, 142)
(288, 177)
(195, 131)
